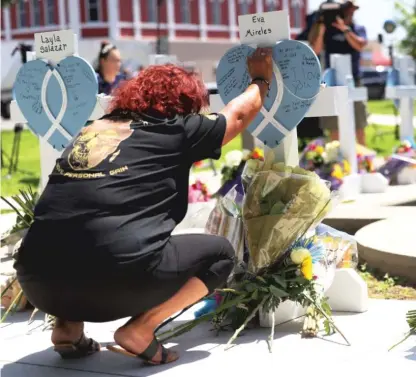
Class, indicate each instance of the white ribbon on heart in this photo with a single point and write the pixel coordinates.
(269, 114)
(56, 122)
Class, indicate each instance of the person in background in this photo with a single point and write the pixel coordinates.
(108, 69)
(344, 36)
(101, 246)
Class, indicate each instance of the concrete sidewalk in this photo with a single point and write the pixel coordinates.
(26, 351)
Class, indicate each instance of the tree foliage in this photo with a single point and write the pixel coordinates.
(407, 19)
(5, 3)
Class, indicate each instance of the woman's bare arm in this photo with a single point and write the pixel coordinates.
(241, 111)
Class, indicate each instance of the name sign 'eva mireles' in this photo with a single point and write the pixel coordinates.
(263, 29)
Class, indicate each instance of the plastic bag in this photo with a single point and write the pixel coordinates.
(341, 248)
(225, 220)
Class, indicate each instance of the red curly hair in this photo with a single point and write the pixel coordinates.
(168, 89)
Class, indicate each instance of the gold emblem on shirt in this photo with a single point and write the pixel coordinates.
(95, 143)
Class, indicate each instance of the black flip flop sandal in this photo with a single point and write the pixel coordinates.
(147, 355)
(84, 347)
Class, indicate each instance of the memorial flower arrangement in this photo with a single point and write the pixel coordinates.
(402, 161)
(198, 192)
(280, 207)
(326, 161)
(405, 148)
(234, 164)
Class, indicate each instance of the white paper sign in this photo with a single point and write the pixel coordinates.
(55, 45)
(264, 29)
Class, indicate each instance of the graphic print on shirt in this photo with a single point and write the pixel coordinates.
(93, 146)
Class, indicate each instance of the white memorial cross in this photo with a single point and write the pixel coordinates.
(406, 93)
(48, 155)
(348, 291)
(341, 64)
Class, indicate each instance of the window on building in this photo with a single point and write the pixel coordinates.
(152, 10)
(21, 13)
(297, 6)
(272, 5)
(216, 12)
(50, 12)
(35, 13)
(185, 12)
(245, 6)
(93, 10)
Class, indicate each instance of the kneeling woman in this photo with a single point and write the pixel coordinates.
(100, 247)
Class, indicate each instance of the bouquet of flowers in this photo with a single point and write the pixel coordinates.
(198, 192)
(406, 148)
(233, 168)
(326, 161)
(281, 209)
(404, 156)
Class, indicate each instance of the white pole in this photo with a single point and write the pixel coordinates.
(232, 17)
(62, 14)
(7, 27)
(346, 128)
(74, 17)
(406, 115)
(113, 19)
(137, 19)
(171, 19)
(203, 19)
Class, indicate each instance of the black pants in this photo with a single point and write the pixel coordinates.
(210, 258)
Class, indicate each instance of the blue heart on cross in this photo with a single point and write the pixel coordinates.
(56, 101)
(295, 85)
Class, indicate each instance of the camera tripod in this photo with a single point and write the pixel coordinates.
(13, 159)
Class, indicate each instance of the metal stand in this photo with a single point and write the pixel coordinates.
(14, 156)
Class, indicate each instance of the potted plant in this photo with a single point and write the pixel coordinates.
(12, 296)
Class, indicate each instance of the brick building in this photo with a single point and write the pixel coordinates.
(197, 30)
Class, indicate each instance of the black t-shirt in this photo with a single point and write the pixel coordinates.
(118, 191)
(336, 43)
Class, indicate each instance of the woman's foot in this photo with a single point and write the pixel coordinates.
(70, 341)
(66, 331)
(137, 339)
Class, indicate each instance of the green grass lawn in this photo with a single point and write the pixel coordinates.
(28, 169)
(379, 138)
(385, 107)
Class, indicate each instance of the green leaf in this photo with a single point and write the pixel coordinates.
(255, 295)
(276, 292)
(327, 327)
(261, 279)
(279, 280)
(250, 287)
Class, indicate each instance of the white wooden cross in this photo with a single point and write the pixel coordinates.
(48, 155)
(406, 93)
(348, 291)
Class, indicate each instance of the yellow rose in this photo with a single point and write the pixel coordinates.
(298, 255)
(319, 149)
(306, 268)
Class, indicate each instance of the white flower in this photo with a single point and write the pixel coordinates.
(233, 158)
(332, 151)
(246, 153)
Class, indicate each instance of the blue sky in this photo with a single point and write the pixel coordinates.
(372, 14)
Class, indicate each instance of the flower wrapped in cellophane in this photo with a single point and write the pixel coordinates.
(281, 205)
(287, 260)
